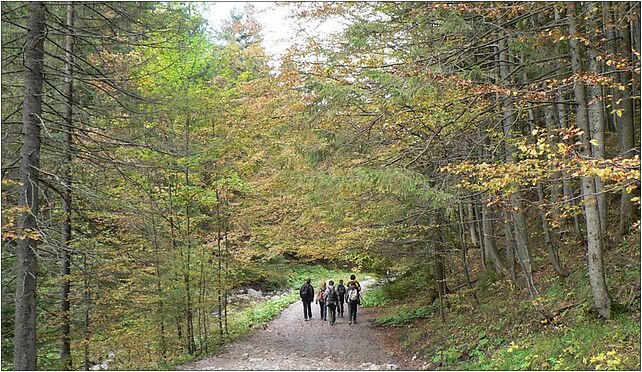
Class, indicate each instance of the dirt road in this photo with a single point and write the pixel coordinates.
(290, 343)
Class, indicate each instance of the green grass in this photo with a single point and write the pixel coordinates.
(260, 314)
(403, 314)
(589, 345)
(375, 297)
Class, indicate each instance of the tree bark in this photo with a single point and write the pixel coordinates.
(440, 279)
(26, 271)
(591, 212)
(567, 184)
(627, 128)
(219, 285)
(464, 251)
(553, 138)
(510, 245)
(159, 289)
(518, 218)
(490, 248)
(480, 234)
(87, 304)
(596, 112)
(65, 270)
(191, 345)
(227, 274)
(471, 224)
(549, 240)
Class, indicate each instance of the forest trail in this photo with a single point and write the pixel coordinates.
(290, 343)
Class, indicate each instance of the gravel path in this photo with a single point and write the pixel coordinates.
(290, 343)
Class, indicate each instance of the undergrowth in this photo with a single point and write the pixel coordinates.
(559, 330)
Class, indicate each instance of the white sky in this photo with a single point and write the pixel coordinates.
(279, 31)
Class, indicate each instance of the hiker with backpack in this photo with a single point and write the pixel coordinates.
(341, 291)
(321, 301)
(307, 296)
(331, 301)
(353, 298)
(353, 280)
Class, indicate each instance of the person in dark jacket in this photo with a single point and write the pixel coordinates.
(331, 301)
(353, 280)
(341, 291)
(307, 296)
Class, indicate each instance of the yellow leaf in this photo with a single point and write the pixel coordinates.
(594, 142)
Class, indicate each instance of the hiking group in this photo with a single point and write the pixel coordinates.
(332, 300)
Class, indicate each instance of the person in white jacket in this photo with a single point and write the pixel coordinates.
(353, 299)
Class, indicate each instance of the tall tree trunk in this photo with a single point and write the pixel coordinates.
(227, 275)
(219, 285)
(440, 278)
(518, 218)
(567, 184)
(464, 251)
(172, 233)
(65, 269)
(550, 121)
(471, 224)
(87, 305)
(191, 345)
(26, 270)
(179, 330)
(510, 244)
(480, 233)
(202, 317)
(159, 289)
(591, 212)
(627, 128)
(490, 248)
(596, 112)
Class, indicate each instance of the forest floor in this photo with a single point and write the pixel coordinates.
(290, 343)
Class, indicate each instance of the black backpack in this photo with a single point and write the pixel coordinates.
(341, 289)
(305, 291)
(333, 298)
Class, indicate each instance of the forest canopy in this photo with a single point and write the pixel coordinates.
(151, 167)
